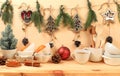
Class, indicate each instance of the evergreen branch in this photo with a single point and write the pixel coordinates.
(4, 4)
(89, 4)
(91, 17)
(37, 17)
(118, 9)
(7, 12)
(57, 21)
(65, 17)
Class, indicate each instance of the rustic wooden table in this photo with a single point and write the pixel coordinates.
(65, 68)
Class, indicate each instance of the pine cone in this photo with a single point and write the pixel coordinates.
(56, 58)
(2, 61)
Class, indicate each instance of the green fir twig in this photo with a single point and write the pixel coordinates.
(64, 17)
(118, 9)
(7, 12)
(37, 17)
(91, 17)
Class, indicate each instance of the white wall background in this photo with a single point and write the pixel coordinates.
(64, 35)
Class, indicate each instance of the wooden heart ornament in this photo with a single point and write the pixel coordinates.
(26, 16)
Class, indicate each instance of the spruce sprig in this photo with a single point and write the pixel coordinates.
(64, 17)
(118, 9)
(91, 17)
(7, 12)
(37, 17)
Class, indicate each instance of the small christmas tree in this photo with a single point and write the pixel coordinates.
(8, 42)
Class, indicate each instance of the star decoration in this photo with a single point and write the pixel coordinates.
(108, 16)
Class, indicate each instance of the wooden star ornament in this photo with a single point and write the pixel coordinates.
(108, 16)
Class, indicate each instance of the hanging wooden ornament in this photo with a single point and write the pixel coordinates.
(118, 9)
(64, 17)
(37, 17)
(91, 17)
(50, 29)
(50, 26)
(108, 16)
(77, 24)
(77, 27)
(25, 15)
(7, 12)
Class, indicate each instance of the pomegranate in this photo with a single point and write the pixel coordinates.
(64, 52)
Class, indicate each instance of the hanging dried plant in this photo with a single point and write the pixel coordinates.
(37, 17)
(91, 17)
(64, 17)
(118, 9)
(7, 12)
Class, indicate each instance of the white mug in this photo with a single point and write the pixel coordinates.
(81, 56)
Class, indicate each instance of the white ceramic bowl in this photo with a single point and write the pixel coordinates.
(111, 61)
(111, 55)
(96, 54)
(9, 53)
(110, 48)
(23, 58)
(24, 55)
(43, 58)
(81, 56)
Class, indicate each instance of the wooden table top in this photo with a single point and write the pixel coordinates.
(65, 68)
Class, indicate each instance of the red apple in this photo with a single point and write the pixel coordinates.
(64, 52)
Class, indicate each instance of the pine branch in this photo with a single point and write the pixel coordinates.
(91, 16)
(7, 12)
(37, 17)
(118, 9)
(65, 17)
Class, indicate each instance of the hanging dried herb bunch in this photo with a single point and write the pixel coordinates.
(118, 9)
(37, 17)
(77, 24)
(64, 17)
(91, 16)
(50, 26)
(7, 12)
